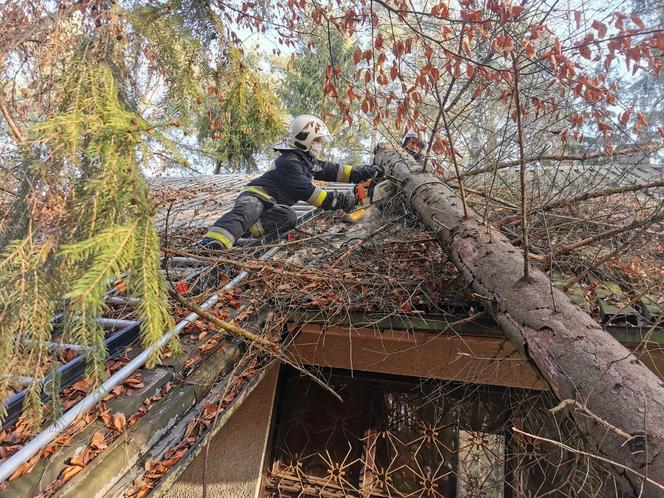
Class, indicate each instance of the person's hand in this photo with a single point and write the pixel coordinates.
(345, 201)
(365, 172)
(373, 171)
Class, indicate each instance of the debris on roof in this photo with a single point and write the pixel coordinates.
(385, 269)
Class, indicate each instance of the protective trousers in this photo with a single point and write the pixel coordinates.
(251, 214)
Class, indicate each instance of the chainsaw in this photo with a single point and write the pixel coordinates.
(368, 193)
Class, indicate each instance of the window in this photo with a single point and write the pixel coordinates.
(388, 438)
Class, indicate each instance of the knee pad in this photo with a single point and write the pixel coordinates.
(257, 229)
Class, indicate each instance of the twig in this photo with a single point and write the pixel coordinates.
(434, 131)
(586, 196)
(555, 157)
(566, 403)
(13, 127)
(591, 455)
(605, 235)
(228, 327)
(41, 24)
(462, 191)
(597, 263)
(360, 242)
(263, 344)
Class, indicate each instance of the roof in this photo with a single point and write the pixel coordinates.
(385, 272)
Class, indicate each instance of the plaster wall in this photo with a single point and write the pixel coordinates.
(235, 459)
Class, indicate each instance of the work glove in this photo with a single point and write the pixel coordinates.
(365, 172)
(343, 200)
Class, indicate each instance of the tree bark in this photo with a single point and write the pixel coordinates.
(573, 353)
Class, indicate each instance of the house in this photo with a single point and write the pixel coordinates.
(389, 379)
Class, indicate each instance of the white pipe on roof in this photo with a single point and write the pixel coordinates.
(131, 301)
(41, 440)
(115, 323)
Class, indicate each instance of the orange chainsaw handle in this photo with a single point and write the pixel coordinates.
(362, 190)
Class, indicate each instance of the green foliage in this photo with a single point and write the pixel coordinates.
(96, 144)
(174, 54)
(27, 296)
(244, 115)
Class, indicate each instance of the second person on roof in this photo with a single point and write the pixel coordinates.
(263, 207)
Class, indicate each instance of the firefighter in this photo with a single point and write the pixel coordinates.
(413, 144)
(263, 207)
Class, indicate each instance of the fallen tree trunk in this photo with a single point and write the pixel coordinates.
(573, 353)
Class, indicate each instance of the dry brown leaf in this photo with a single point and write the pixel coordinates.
(105, 416)
(175, 458)
(23, 429)
(191, 362)
(190, 428)
(98, 441)
(120, 286)
(140, 489)
(68, 403)
(207, 346)
(68, 355)
(133, 382)
(82, 458)
(7, 451)
(53, 447)
(119, 421)
(25, 468)
(70, 472)
(210, 411)
(115, 392)
(80, 386)
(155, 469)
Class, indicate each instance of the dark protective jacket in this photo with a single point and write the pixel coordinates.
(289, 180)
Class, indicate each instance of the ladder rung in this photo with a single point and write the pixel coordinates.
(131, 301)
(114, 323)
(184, 261)
(58, 345)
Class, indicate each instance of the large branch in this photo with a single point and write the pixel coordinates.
(561, 251)
(586, 196)
(573, 353)
(648, 148)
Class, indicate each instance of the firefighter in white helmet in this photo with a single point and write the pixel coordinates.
(412, 142)
(264, 205)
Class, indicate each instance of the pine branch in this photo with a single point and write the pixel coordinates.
(586, 196)
(601, 236)
(646, 148)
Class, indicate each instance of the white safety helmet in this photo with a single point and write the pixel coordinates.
(410, 133)
(304, 130)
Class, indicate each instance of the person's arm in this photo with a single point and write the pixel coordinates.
(300, 187)
(333, 172)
